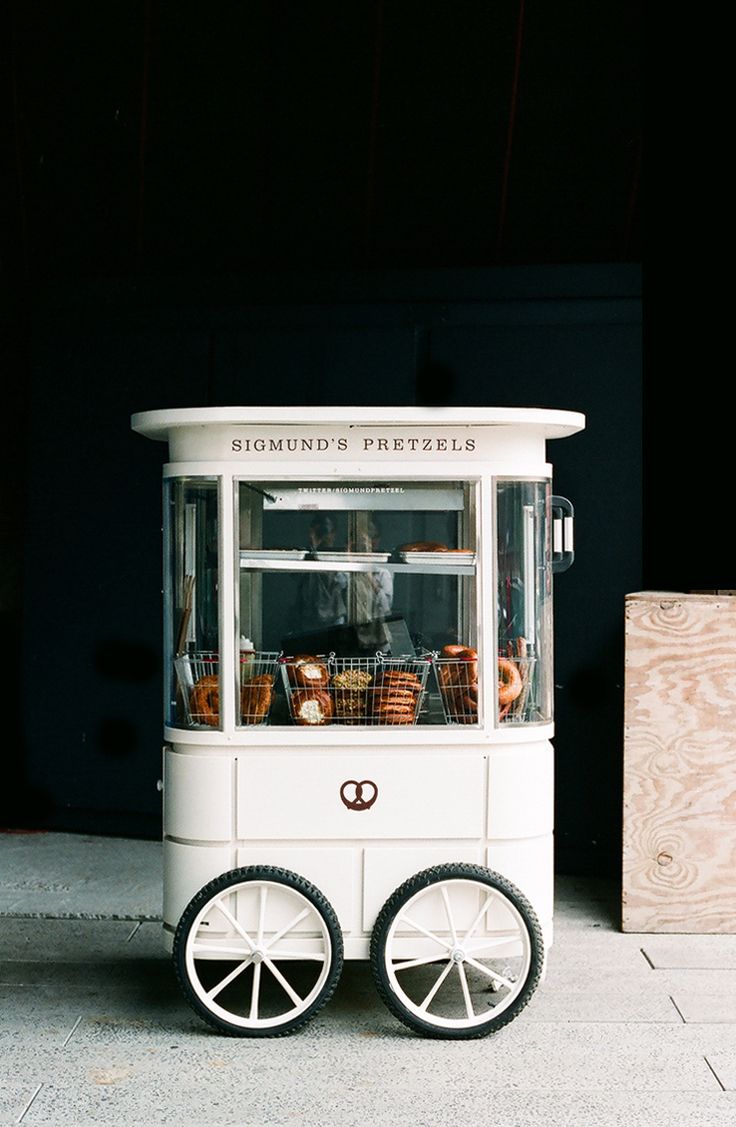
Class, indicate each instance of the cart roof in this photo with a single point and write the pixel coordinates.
(552, 424)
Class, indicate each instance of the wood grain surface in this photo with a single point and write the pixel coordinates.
(679, 824)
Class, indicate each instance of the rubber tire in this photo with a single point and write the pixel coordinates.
(277, 876)
(451, 871)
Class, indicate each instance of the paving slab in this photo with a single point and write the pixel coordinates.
(622, 970)
(716, 952)
(253, 1083)
(15, 1099)
(75, 875)
(706, 1007)
(547, 1057)
(594, 978)
(183, 1075)
(599, 938)
(66, 940)
(364, 1102)
(552, 1004)
(26, 1017)
(142, 975)
(697, 981)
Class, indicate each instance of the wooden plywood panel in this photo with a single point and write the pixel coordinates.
(679, 849)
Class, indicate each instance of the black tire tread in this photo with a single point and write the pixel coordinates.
(236, 876)
(449, 871)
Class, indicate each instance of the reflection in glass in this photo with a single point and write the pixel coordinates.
(524, 603)
(333, 568)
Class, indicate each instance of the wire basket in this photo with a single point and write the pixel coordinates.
(515, 696)
(355, 690)
(457, 681)
(198, 675)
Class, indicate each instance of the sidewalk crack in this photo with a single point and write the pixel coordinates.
(721, 1085)
(27, 1108)
(651, 964)
(674, 1003)
(71, 1032)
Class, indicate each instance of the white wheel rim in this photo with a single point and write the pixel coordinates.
(463, 955)
(272, 948)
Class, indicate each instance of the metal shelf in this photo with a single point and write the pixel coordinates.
(250, 563)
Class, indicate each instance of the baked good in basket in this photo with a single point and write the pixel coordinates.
(307, 672)
(312, 706)
(255, 698)
(350, 694)
(395, 698)
(458, 677)
(204, 701)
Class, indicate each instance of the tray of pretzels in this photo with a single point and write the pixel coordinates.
(432, 552)
(367, 690)
(198, 675)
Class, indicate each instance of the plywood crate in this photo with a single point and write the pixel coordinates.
(679, 825)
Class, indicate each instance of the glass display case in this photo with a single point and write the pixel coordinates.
(374, 582)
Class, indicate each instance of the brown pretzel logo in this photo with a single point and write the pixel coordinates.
(351, 793)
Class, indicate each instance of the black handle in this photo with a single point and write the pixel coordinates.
(563, 541)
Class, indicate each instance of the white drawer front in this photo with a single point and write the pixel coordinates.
(386, 869)
(335, 872)
(317, 797)
(198, 796)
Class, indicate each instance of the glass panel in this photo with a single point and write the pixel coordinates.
(377, 575)
(191, 603)
(524, 603)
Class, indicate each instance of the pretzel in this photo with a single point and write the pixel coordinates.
(255, 698)
(461, 663)
(204, 701)
(509, 681)
(395, 689)
(397, 718)
(396, 677)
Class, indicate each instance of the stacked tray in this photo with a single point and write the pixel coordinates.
(450, 557)
(351, 557)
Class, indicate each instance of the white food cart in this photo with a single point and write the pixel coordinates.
(358, 708)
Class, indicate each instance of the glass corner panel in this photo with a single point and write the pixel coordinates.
(192, 641)
(524, 602)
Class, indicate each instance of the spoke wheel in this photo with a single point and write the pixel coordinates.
(258, 952)
(456, 952)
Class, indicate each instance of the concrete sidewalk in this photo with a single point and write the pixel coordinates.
(629, 1030)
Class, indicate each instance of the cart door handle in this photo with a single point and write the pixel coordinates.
(563, 540)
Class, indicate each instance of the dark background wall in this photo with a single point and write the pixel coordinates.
(376, 202)
(563, 337)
